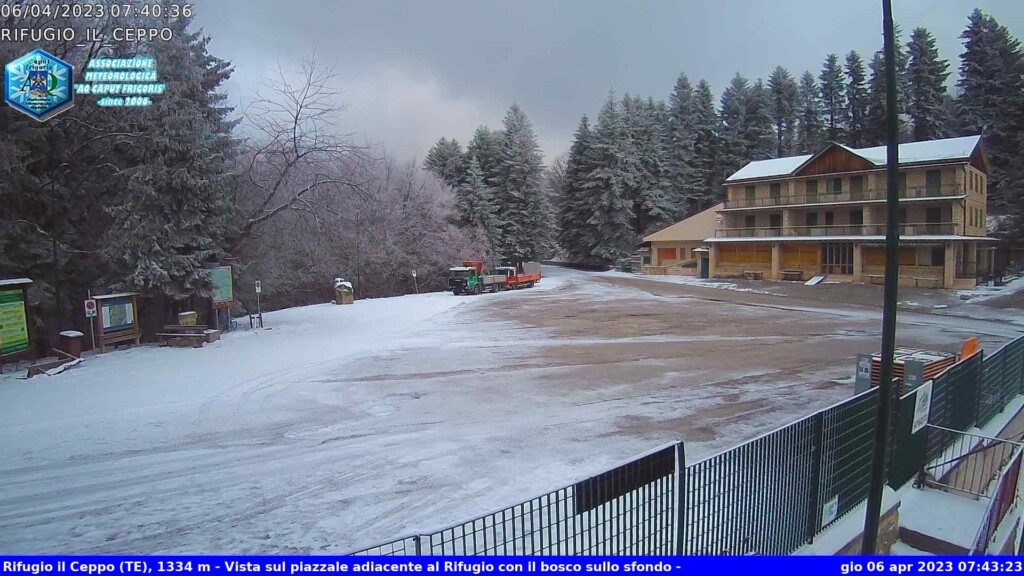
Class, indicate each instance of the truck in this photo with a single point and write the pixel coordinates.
(525, 275)
(470, 279)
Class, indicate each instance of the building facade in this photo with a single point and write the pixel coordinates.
(675, 244)
(825, 214)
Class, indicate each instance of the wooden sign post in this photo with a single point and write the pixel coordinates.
(118, 316)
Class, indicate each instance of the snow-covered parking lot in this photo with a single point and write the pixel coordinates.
(340, 426)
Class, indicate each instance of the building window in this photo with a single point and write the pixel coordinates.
(903, 183)
(856, 187)
(938, 256)
(838, 258)
(775, 192)
(933, 182)
(811, 189)
(933, 215)
(830, 218)
(835, 186)
(748, 192)
(811, 219)
(856, 217)
(903, 214)
(775, 221)
(749, 221)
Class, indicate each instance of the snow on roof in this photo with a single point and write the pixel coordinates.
(118, 295)
(909, 153)
(14, 281)
(460, 268)
(765, 168)
(929, 151)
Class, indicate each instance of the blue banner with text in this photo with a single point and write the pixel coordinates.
(296, 565)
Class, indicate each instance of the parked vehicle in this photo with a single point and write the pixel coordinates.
(525, 275)
(470, 279)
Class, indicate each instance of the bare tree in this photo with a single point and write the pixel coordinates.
(295, 148)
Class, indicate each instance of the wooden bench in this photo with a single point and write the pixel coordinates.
(876, 278)
(752, 274)
(932, 282)
(179, 335)
(793, 275)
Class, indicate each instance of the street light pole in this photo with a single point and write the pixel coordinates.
(883, 417)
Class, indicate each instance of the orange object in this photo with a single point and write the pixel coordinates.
(970, 348)
(474, 264)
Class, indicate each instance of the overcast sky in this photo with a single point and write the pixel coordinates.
(415, 70)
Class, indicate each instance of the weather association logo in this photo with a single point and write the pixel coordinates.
(39, 84)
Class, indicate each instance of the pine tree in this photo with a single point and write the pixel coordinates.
(576, 209)
(784, 104)
(521, 213)
(856, 100)
(444, 160)
(991, 103)
(874, 133)
(927, 75)
(707, 126)
(485, 146)
(833, 98)
(653, 207)
(609, 230)
(174, 215)
(758, 133)
(810, 135)
(475, 201)
(680, 140)
(733, 152)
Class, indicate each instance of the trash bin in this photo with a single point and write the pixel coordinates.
(71, 342)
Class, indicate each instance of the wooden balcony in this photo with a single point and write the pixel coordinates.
(914, 229)
(873, 195)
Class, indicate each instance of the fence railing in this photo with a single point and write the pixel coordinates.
(970, 462)
(1004, 499)
(825, 197)
(836, 230)
(770, 495)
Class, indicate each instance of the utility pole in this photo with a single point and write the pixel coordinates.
(883, 418)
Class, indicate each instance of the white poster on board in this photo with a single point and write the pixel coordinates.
(922, 406)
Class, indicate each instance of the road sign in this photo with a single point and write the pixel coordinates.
(90, 308)
(259, 289)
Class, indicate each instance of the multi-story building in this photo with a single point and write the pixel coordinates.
(798, 217)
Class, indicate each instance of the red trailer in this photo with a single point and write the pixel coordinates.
(522, 276)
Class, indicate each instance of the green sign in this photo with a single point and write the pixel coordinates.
(223, 285)
(13, 322)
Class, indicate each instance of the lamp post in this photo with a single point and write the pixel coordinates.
(883, 416)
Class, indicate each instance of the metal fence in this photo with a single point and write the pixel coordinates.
(770, 495)
(629, 510)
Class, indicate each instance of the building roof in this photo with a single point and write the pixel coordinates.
(15, 281)
(946, 150)
(695, 228)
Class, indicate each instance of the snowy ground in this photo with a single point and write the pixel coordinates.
(342, 426)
